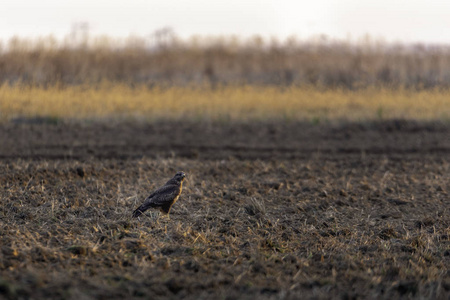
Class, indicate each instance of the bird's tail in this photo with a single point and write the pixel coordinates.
(137, 212)
(140, 210)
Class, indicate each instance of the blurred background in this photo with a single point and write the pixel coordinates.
(229, 50)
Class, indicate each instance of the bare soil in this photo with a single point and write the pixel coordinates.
(269, 210)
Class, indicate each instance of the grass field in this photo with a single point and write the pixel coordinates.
(231, 103)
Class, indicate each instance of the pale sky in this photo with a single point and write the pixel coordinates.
(391, 20)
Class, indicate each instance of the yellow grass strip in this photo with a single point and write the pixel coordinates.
(222, 104)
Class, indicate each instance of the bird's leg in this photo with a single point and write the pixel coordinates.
(156, 217)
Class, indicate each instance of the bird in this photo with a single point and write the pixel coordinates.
(164, 197)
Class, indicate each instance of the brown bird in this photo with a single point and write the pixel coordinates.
(164, 197)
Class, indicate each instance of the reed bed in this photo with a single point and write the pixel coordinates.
(217, 61)
(229, 103)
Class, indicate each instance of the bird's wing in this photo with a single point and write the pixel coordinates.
(163, 195)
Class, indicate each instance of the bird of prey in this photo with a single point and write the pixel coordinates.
(164, 197)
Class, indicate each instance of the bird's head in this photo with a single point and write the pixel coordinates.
(180, 176)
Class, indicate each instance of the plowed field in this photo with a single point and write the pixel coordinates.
(268, 211)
